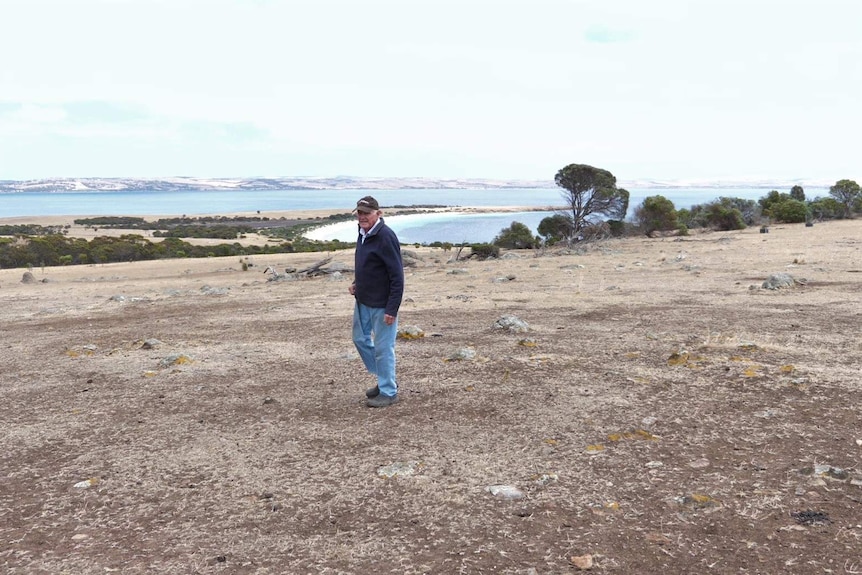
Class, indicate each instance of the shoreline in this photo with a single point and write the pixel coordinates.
(303, 215)
(311, 214)
(317, 217)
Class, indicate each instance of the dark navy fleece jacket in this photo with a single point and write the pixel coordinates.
(379, 270)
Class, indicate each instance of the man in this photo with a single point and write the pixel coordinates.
(378, 288)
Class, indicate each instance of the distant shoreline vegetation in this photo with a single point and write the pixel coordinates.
(32, 245)
(37, 246)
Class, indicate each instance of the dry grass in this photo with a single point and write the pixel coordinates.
(668, 420)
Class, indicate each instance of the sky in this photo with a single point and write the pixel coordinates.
(672, 90)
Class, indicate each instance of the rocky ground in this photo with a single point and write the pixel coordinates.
(662, 413)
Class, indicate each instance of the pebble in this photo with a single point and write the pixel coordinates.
(398, 469)
(505, 491)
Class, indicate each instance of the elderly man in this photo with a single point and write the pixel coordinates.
(378, 288)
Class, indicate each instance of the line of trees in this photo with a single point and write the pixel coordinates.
(57, 249)
(596, 208)
(844, 200)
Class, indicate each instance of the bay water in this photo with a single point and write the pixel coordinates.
(451, 227)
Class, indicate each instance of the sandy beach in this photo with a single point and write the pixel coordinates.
(661, 413)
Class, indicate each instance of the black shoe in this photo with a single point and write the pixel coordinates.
(382, 400)
(372, 392)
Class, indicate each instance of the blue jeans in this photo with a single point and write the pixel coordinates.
(375, 342)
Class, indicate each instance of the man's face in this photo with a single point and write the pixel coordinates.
(367, 220)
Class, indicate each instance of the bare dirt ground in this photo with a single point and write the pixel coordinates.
(664, 414)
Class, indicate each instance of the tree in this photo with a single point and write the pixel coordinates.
(516, 236)
(656, 213)
(590, 192)
(749, 209)
(846, 192)
(773, 197)
(797, 193)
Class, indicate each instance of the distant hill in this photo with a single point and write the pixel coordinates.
(352, 183)
(281, 183)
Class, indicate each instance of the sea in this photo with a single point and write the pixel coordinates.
(452, 226)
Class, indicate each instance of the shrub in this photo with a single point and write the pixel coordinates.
(717, 215)
(617, 227)
(555, 228)
(516, 236)
(790, 211)
(656, 213)
(826, 208)
(484, 251)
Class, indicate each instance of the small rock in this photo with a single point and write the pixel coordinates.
(209, 290)
(546, 479)
(582, 562)
(809, 517)
(151, 343)
(463, 354)
(512, 323)
(505, 491)
(176, 359)
(831, 472)
(410, 332)
(781, 281)
(399, 469)
(696, 501)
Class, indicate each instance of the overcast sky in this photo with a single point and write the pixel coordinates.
(659, 89)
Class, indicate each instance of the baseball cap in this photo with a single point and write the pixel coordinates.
(367, 205)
